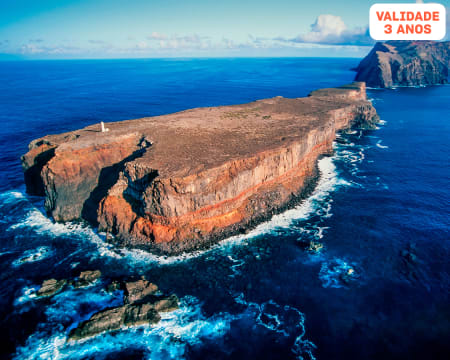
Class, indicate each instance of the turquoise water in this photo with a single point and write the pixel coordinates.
(381, 208)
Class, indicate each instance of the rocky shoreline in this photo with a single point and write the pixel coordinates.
(405, 63)
(183, 181)
(142, 304)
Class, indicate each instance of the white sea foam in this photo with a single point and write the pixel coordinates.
(319, 203)
(168, 339)
(337, 273)
(9, 197)
(237, 263)
(328, 182)
(188, 325)
(35, 221)
(381, 146)
(28, 294)
(285, 320)
(34, 255)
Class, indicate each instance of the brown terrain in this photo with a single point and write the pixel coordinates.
(182, 181)
(405, 63)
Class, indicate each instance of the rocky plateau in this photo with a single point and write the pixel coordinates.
(182, 181)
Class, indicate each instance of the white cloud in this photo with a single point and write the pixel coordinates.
(36, 49)
(332, 30)
(328, 32)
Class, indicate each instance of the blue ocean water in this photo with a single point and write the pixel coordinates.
(380, 210)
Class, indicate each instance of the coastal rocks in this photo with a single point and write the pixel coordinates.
(405, 63)
(114, 319)
(138, 290)
(50, 287)
(183, 181)
(141, 306)
(87, 278)
(40, 152)
(166, 304)
(310, 245)
(315, 246)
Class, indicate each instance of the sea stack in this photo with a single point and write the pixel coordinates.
(182, 181)
(405, 63)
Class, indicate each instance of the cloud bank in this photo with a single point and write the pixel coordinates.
(328, 32)
(331, 30)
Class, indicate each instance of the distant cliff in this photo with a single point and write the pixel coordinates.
(405, 63)
(181, 181)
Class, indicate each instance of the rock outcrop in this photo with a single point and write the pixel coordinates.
(141, 306)
(87, 278)
(138, 290)
(181, 181)
(51, 287)
(405, 63)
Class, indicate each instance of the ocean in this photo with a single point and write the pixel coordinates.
(381, 208)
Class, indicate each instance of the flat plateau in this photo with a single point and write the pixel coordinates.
(177, 182)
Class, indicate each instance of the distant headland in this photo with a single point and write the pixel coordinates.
(405, 63)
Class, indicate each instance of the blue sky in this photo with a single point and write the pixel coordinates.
(161, 28)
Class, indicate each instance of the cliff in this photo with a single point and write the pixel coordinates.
(405, 63)
(182, 181)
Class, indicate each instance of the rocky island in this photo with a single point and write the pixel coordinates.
(405, 63)
(182, 181)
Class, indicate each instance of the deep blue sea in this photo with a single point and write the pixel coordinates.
(381, 208)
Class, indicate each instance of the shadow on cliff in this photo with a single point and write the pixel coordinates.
(107, 178)
(33, 180)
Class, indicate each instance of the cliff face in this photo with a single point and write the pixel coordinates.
(181, 181)
(405, 63)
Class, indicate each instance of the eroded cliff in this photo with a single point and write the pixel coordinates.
(405, 63)
(181, 181)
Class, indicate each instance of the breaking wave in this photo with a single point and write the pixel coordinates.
(286, 320)
(319, 203)
(34, 255)
(168, 339)
(186, 326)
(338, 273)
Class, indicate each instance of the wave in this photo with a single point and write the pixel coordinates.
(28, 293)
(378, 144)
(285, 320)
(338, 273)
(168, 339)
(318, 203)
(30, 256)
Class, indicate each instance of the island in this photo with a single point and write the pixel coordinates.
(405, 63)
(183, 181)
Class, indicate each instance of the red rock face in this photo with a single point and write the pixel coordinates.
(183, 181)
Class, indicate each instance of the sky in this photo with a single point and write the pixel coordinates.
(64, 29)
